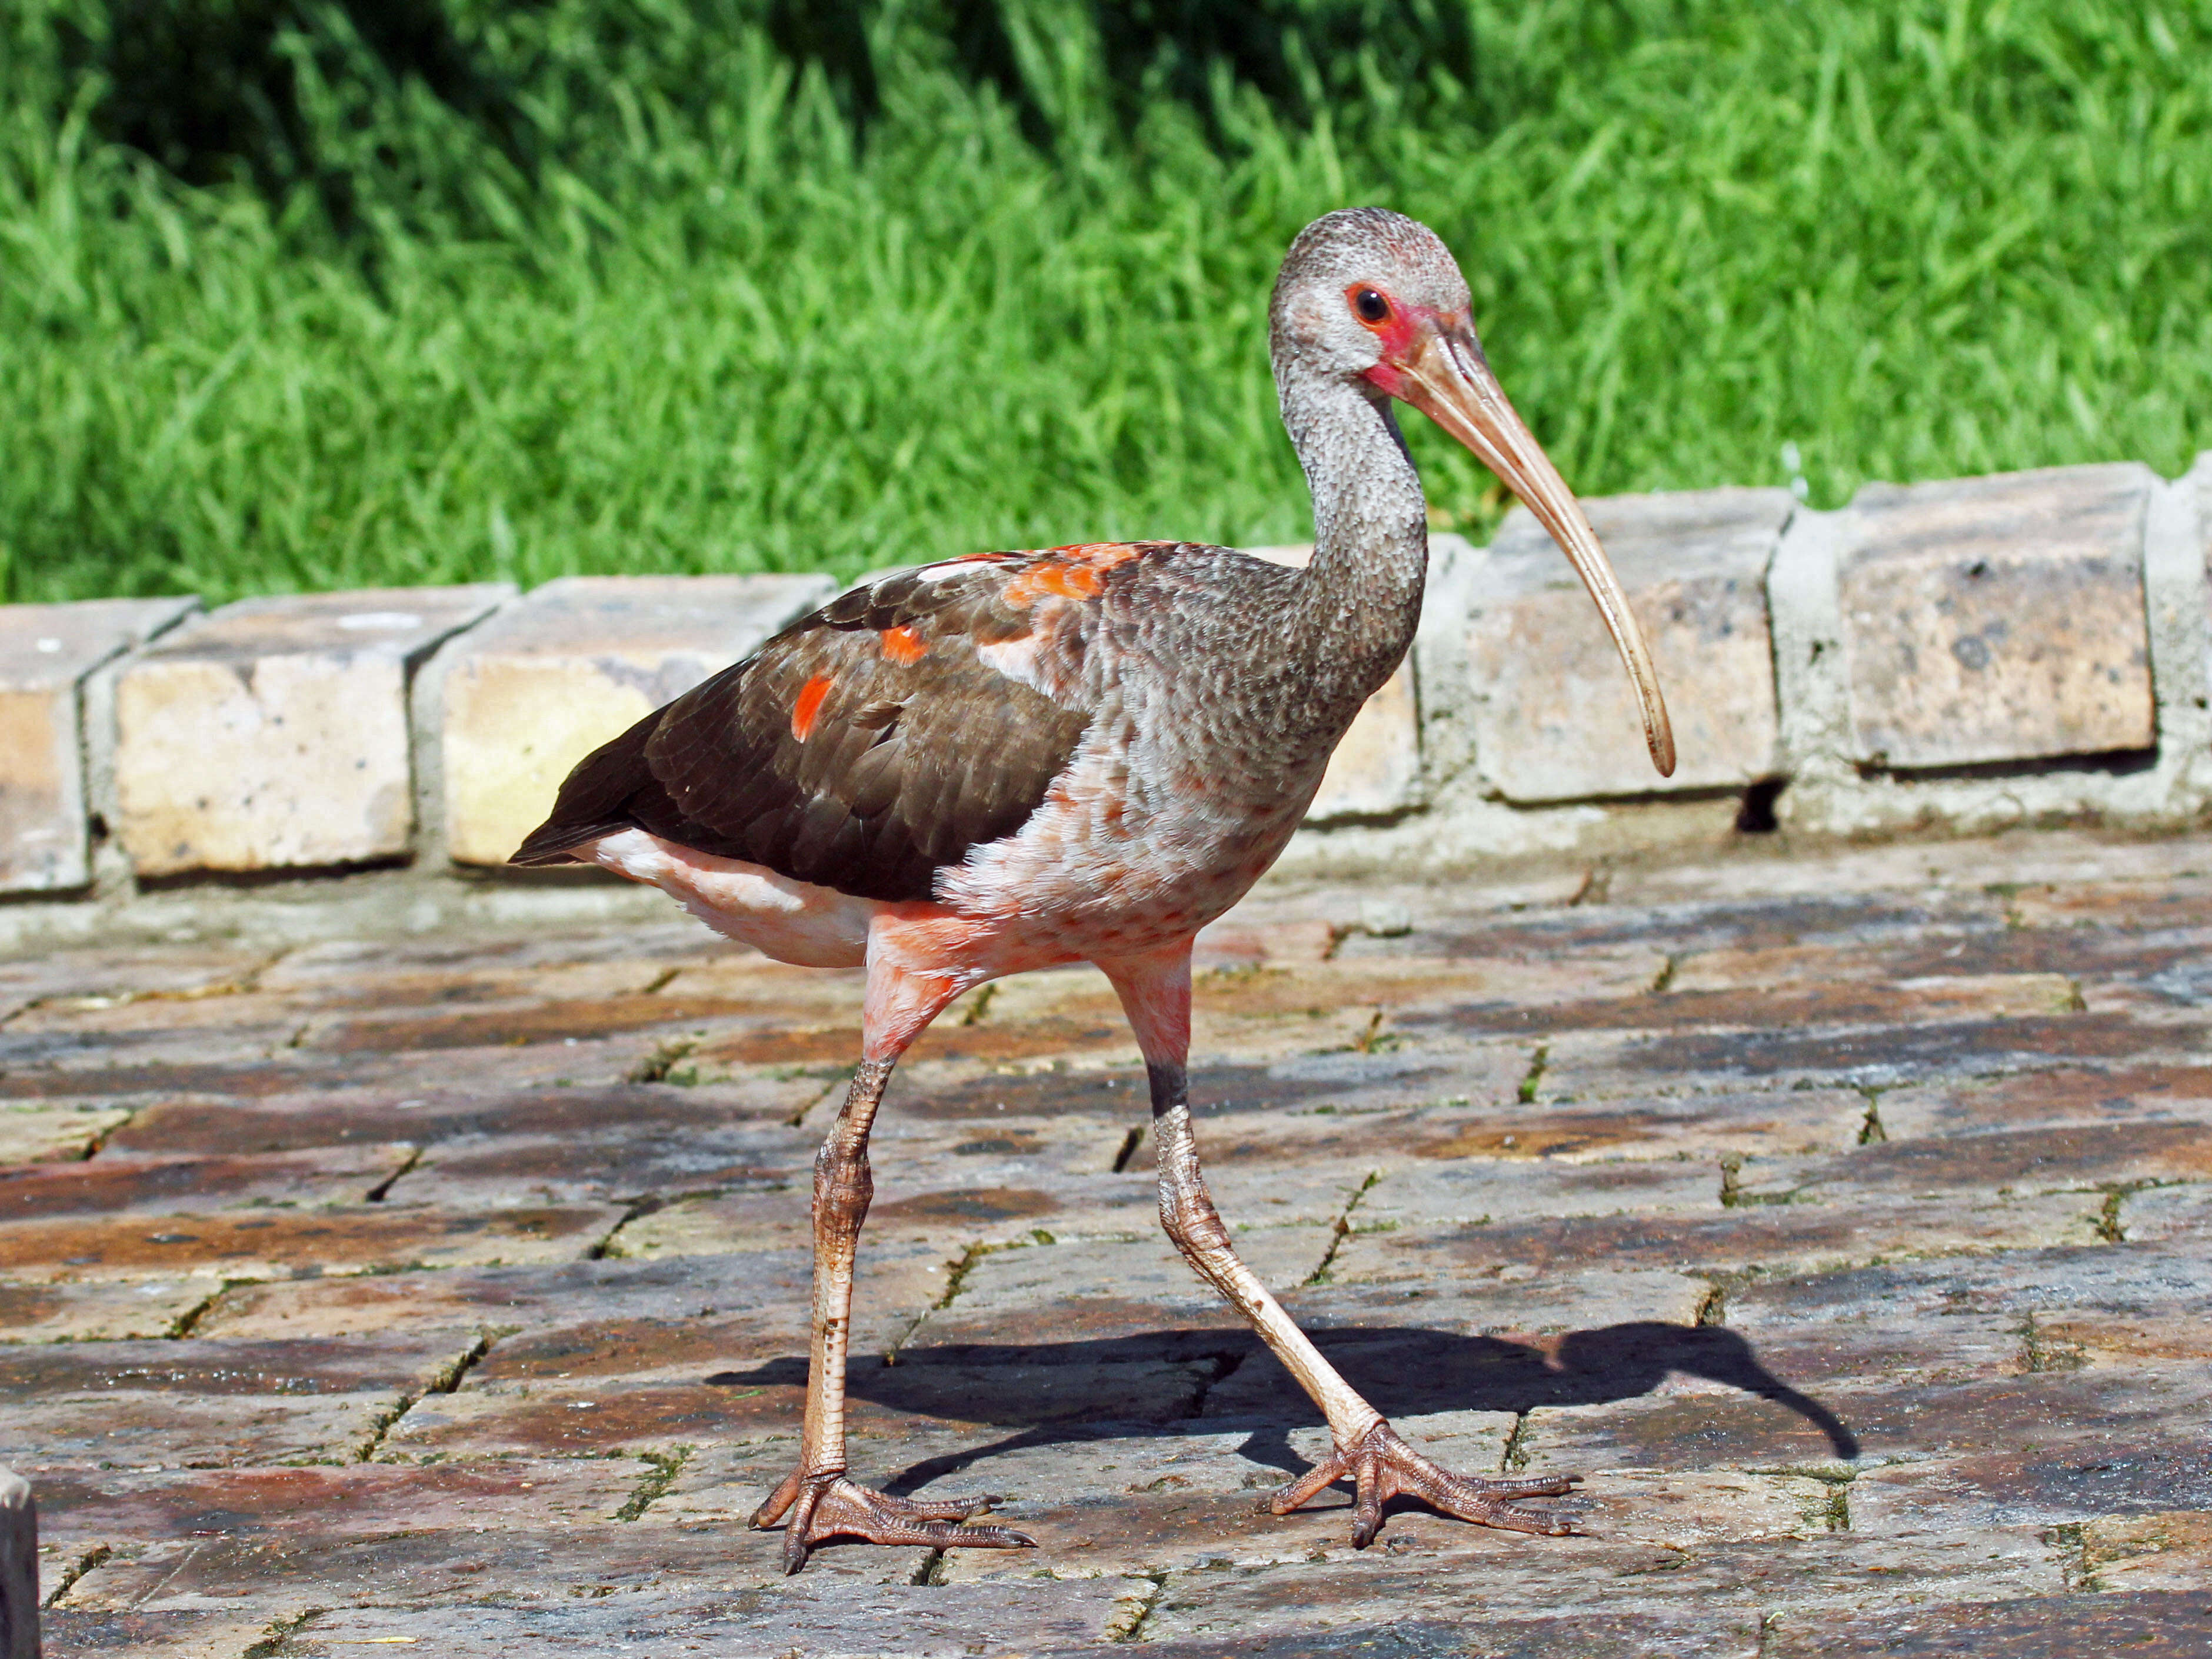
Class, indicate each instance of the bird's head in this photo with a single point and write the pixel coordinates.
(1371, 298)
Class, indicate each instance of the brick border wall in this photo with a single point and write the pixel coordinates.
(1948, 657)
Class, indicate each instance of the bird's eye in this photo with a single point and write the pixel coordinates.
(1372, 307)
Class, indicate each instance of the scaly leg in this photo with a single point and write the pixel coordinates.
(1155, 993)
(822, 1501)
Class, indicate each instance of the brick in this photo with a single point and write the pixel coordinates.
(1997, 619)
(1731, 1634)
(2146, 1624)
(2055, 1478)
(2065, 1096)
(1553, 716)
(251, 1244)
(810, 1616)
(1480, 1578)
(523, 698)
(895, 1283)
(2174, 1212)
(136, 1429)
(205, 1366)
(1515, 1301)
(85, 1312)
(116, 1508)
(1799, 1237)
(1649, 1126)
(37, 1135)
(444, 1568)
(746, 1118)
(2168, 1551)
(1994, 1162)
(196, 1634)
(46, 651)
(1453, 1187)
(124, 974)
(121, 1183)
(274, 732)
(1594, 1064)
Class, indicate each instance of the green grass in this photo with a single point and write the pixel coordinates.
(693, 319)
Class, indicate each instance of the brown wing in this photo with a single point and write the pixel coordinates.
(872, 742)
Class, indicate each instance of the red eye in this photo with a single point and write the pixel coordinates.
(1372, 307)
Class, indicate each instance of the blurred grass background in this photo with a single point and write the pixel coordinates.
(301, 294)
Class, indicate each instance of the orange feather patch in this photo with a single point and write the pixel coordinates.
(904, 646)
(808, 709)
(1068, 573)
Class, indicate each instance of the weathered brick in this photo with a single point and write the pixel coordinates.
(2145, 1624)
(1998, 619)
(812, 1615)
(141, 1430)
(523, 698)
(2167, 1551)
(124, 1183)
(1648, 1127)
(37, 1134)
(254, 1245)
(1476, 1579)
(224, 1633)
(2042, 1159)
(274, 732)
(1802, 1237)
(46, 653)
(2062, 1096)
(112, 1507)
(1554, 718)
(86, 1313)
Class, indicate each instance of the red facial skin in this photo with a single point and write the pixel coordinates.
(1397, 332)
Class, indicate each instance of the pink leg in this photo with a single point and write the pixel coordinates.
(1155, 993)
(822, 1501)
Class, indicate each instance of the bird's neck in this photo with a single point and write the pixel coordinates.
(1360, 599)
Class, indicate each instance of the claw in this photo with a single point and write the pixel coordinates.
(826, 1506)
(1380, 1466)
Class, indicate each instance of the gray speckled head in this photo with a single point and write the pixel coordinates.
(1312, 328)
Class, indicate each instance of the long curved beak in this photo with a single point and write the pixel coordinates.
(1446, 378)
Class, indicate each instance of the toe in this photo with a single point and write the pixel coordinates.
(1517, 1518)
(943, 1508)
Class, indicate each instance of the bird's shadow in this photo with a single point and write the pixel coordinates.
(1158, 1382)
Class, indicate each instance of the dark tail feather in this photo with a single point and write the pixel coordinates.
(594, 798)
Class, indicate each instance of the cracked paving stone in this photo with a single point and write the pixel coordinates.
(432, 1112)
(1994, 1161)
(2147, 1625)
(1477, 1575)
(222, 1634)
(270, 1243)
(2169, 1550)
(1590, 1065)
(454, 1567)
(125, 1183)
(41, 1134)
(1680, 1094)
(862, 1621)
(79, 1313)
(197, 1403)
(1725, 1635)
(896, 1283)
(1771, 1238)
(309, 1499)
(1652, 1126)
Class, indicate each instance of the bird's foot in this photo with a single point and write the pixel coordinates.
(826, 1506)
(1381, 1465)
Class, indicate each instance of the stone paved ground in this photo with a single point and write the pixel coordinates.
(1842, 1217)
